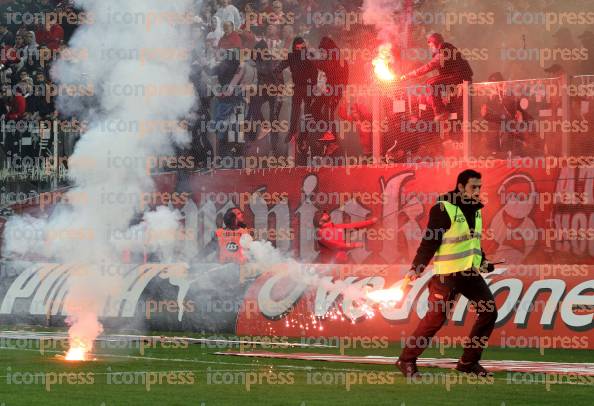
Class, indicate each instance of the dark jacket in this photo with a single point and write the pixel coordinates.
(225, 71)
(303, 70)
(439, 223)
(448, 61)
(38, 101)
(337, 71)
(266, 67)
(7, 39)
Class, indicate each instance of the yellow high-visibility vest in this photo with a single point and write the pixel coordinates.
(459, 250)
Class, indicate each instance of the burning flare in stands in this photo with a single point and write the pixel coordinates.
(382, 64)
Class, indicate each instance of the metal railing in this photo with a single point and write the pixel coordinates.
(33, 154)
(33, 158)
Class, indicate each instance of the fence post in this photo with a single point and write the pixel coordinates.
(566, 112)
(466, 119)
(375, 128)
(56, 155)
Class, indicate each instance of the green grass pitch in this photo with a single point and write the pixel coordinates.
(193, 375)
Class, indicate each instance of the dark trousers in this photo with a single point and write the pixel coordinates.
(275, 104)
(257, 102)
(442, 293)
(299, 96)
(324, 107)
(438, 86)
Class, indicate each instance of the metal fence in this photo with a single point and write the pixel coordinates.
(534, 117)
(33, 158)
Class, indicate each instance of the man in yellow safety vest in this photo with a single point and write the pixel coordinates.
(453, 240)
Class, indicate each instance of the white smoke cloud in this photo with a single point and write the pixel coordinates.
(380, 13)
(105, 199)
(262, 252)
(264, 257)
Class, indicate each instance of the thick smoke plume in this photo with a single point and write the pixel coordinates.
(132, 100)
(381, 14)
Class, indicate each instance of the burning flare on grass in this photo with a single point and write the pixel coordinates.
(76, 354)
(84, 329)
(78, 351)
(381, 63)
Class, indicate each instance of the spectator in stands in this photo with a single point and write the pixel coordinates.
(22, 31)
(264, 6)
(503, 111)
(246, 31)
(5, 74)
(337, 77)
(272, 37)
(69, 23)
(304, 74)
(331, 237)
(248, 39)
(19, 47)
(291, 6)
(6, 37)
(31, 51)
(287, 35)
(453, 70)
(215, 33)
(4, 102)
(249, 11)
(304, 30)
(361, 118)
(25, 83)
(277, 16)
(230, 38)
(207, 13)
(17, 105)
(40, 104)
(201, 147)
(45, 5)
(269, 83)
(228, 12)
(499, 105)
(50, 35)
(10, 54)
(228, 100)
(36, 6)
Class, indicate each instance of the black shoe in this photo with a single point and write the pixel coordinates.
(408, 368)
(472, 368)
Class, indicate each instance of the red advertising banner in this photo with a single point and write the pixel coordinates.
(535, 212)
(539, 306)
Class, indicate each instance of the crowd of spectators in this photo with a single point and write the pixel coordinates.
(275, 67)
(300, 42)
(29, 43)
(269, 74)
